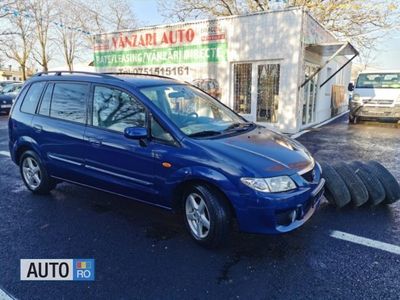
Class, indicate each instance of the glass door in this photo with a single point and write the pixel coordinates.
(310, 95)
(267, 92)
(256, 90)
(242, 79)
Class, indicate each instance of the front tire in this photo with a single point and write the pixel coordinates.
(34, 174)
(206, 215)
(352, 120)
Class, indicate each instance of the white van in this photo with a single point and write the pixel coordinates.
(376, 95)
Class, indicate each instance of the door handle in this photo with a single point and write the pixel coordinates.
(94, 141)
(37, 128)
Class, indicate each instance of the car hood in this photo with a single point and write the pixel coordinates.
(263, 152)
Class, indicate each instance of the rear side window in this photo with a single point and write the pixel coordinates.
(32, 97)
(69, 102)
(46, 99)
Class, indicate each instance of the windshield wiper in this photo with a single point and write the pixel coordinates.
(205, 133)
(239, 126)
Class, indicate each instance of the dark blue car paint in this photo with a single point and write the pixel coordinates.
(5, 103)
(110, 161)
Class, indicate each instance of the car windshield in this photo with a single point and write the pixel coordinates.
(379, 80)
(11, 88)
(194, 112)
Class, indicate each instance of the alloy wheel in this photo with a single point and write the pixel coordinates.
(31, 172)
(197, 215)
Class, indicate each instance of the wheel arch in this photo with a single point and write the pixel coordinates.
(24, 144)
(179, 190)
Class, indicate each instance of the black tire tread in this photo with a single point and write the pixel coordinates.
(358, 191)
(336, 190)
(375, 189)
(389, 182)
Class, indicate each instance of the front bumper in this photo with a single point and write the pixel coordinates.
(5, 107)
(282, 212)
(367, 112)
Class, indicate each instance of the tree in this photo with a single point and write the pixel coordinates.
(361, 21)
(19, 46)
(103, 15)
(69, 36)
(43, 13)
(76, 19)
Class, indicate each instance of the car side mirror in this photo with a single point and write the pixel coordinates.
(350, 87)
(135, 133)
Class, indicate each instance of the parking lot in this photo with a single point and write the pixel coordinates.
(144, 252)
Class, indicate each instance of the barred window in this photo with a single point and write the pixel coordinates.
(242, 88)
(268, 92)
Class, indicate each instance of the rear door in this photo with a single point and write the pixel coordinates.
(112, 161)
(59, 126)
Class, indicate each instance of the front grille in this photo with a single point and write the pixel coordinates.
(308, 176)
(378, 102)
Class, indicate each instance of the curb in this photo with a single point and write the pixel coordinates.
(296, 135)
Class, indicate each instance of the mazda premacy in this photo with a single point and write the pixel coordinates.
(163, 142)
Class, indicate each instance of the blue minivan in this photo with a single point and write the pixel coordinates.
(166, 143)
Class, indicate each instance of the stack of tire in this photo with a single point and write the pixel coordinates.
(358, 183)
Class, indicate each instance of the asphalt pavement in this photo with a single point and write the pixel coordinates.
(143, 252)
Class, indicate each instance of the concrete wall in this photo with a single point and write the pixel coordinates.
(274, 38)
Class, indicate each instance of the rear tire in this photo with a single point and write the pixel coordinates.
(357, 189)
(336, 190)
(389, 182)
(206, 215)
(34, 174)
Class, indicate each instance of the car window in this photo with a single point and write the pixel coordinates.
(69, 102)
(379, 80)
(8, 88)
(116, 110)
(32, 97)
(159, 133)
(45, 104)
(193, 111)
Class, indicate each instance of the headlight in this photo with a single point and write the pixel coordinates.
(356, 98)
(270, 185)
(398, 100)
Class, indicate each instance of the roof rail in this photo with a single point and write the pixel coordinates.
(59, 73)
(139, 74)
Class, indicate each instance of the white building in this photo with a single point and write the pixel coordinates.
(271, 67)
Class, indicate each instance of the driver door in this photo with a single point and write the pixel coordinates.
(112, 161)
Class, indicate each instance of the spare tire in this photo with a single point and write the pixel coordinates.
(357, 189)
(392, 187)
(375, 188)
(336, 190)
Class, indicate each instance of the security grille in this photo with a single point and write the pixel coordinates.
(242, 88)
(268, 92)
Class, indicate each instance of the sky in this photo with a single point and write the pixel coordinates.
(386, 57)
(146, 11)
(389, 56)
